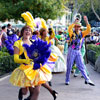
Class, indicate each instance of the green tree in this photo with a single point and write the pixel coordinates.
(90, 8)
(12, 9)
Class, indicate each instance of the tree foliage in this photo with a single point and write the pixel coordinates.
(84, 7)
(12, 9)
(87, 9)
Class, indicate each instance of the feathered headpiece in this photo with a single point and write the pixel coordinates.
(29, 19)
(43, 23)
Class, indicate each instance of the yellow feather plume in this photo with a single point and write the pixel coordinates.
(29, 19)
(26, 17)
(43, 23)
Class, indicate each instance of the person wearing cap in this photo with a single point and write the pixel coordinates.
(74, 53)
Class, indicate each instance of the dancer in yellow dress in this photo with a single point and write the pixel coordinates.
(25, 75)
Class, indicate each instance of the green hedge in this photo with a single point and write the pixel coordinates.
(6, 62)
(4, 49)
(95, 48)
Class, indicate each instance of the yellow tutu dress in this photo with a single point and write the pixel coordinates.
(25, 75)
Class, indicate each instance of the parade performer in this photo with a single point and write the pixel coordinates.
(60, 41)
(66, 34)
(30, 73)
(60, 65)
(19, 75)
(44, 31)
(40, 22)
(74, 53)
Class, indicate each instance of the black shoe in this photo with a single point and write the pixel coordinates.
(20, 95)
(89, 82)
(82, 77)
(28, 98)
(75, 75)
(54, 94)
(50, 84)
(20, 99)
(72, 71)
(67, 83)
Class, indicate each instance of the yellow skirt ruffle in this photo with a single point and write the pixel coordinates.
(26, 76)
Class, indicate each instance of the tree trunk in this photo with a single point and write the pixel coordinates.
(75, 11)
(92, 6)
(77, 8)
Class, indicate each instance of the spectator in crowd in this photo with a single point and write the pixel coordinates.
(99, 37)
(18, 33)
(4, 35)
(88, 39)
(10, 30)
(93, 38)
(0, 40)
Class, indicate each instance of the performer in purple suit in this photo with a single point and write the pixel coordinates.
(74, 53)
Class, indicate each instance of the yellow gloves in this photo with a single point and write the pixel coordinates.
(20, 61)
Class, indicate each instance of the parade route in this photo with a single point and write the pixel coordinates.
(77, 90)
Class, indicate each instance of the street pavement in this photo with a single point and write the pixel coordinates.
(77, 90)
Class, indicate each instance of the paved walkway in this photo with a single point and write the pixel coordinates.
(77, 90)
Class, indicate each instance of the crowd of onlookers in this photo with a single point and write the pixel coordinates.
(94, 38)
(7, 31)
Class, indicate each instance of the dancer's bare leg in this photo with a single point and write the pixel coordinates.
(22, 91)
(36, 92)
(45, 85)
(53, 92)
(48, 87)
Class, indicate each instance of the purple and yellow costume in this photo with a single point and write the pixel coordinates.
(74, 53)
(77, 72)
(26, 75)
